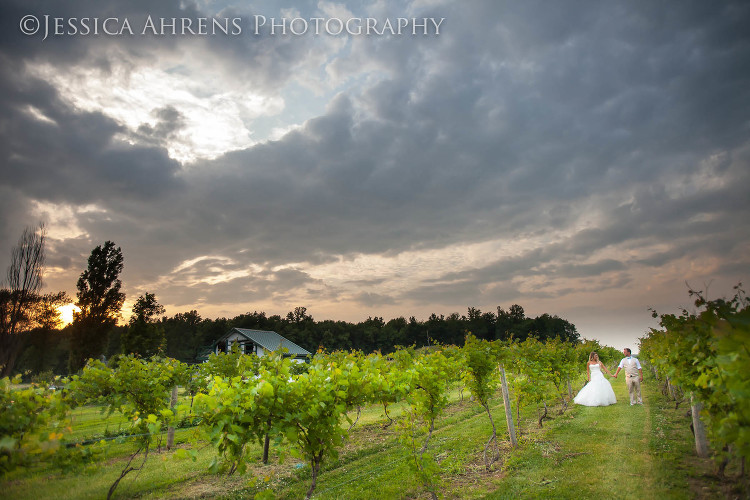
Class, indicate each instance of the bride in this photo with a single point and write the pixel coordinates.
(598, 391)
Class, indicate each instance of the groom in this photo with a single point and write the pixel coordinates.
(633, 376)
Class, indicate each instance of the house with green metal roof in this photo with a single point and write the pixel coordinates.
(258, 342)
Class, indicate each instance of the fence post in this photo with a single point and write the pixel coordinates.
(701, 443)
(508, 411)
(170, 430)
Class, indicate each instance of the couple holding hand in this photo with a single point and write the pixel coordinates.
(598, 391)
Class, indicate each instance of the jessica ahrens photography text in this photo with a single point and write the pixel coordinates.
(49, 26)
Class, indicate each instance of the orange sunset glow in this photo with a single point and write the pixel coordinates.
(66, 313)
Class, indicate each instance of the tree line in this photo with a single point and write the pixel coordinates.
(33, 341)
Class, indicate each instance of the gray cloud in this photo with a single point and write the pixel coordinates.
(622, 126)
(170, 120)
(368, 299)
(70, 156)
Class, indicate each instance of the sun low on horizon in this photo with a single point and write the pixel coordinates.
(66, 313)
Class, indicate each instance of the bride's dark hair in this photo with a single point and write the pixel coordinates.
(593, 355)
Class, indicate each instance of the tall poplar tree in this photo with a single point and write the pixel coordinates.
(100, 300)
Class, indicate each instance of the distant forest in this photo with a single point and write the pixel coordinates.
(186, 334)
(31, 341)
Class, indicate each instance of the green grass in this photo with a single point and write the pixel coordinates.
(582, 453)
(90, 421)
(590, 452)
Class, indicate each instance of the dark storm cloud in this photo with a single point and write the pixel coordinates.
(68, 254)
(54, 152)
(516, 121)
(259, 60)
(169, 121)
(14, 208)
(65, 51)
(70, 156)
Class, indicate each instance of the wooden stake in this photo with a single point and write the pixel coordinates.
(170, 430)
(701, 443)
(508, 411)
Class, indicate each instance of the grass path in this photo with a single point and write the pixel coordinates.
(612, 451)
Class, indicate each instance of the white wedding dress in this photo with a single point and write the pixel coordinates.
(598, 392)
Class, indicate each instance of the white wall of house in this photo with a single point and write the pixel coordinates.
(247, 347)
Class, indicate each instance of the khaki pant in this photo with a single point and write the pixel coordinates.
(634, 389)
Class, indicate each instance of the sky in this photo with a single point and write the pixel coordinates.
(387, 158)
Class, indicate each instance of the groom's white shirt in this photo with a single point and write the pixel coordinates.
(622, 362)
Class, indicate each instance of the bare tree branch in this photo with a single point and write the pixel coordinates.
(18, 296)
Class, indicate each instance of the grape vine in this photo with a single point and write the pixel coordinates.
(306, 410)
(707, 354)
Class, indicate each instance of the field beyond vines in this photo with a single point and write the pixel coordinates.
(578, 453)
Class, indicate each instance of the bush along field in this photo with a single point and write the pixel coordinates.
(487, 420)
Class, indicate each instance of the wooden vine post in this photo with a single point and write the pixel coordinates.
(508, 411)
(170, 429)
(701, 443)
(670, 390)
